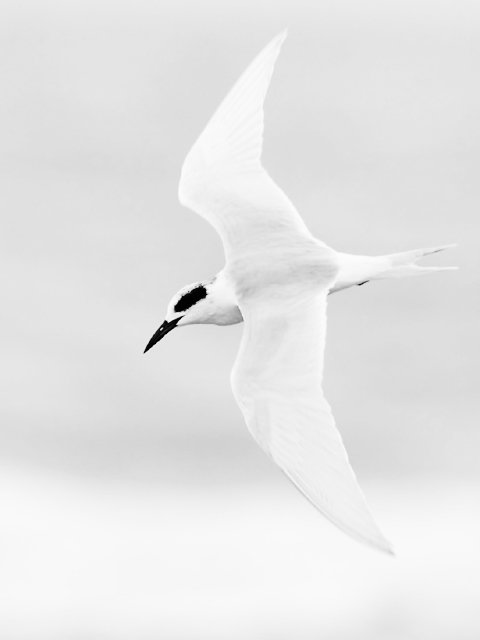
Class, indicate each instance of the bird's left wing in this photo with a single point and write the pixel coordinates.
(277, 383)
(222, 177)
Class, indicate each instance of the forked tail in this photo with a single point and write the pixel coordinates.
(357, 270)
(403, 264)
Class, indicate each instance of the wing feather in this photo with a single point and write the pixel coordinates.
(222, 177)
(277, 383)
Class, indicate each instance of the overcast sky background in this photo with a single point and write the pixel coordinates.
(373, 130)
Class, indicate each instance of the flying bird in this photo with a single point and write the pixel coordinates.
(276, 280)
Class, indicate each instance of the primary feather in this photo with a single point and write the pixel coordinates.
(277, 383)
(222, 177)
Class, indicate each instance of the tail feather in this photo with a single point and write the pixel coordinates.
(403, 264)
(356, 270)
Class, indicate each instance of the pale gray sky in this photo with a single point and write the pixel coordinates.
(372, 129)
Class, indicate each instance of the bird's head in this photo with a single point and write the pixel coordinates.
(208, 302)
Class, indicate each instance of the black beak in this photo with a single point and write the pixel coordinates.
(165, 328)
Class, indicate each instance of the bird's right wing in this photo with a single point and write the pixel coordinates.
(277, 383)
(222, 177)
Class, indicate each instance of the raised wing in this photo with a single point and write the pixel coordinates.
(277, 383)
(222, 177)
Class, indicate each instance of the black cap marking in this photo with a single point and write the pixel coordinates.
(190, 298)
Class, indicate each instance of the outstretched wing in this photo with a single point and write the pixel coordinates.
(222, 177)
(277, 383)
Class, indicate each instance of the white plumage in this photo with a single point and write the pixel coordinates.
(277, 278)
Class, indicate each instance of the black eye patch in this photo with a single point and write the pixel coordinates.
(190, 298)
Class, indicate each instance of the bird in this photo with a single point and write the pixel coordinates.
(276, 280)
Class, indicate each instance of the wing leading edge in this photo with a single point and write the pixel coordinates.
(222, 178)
(277, 384)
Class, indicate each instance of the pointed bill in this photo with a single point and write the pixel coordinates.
(161, 332)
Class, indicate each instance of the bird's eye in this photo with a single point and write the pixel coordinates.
(190, 298)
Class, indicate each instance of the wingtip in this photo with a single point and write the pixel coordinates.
(379, 542)
(386, 547)
(278, 40)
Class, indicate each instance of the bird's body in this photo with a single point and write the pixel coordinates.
(276, 280)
